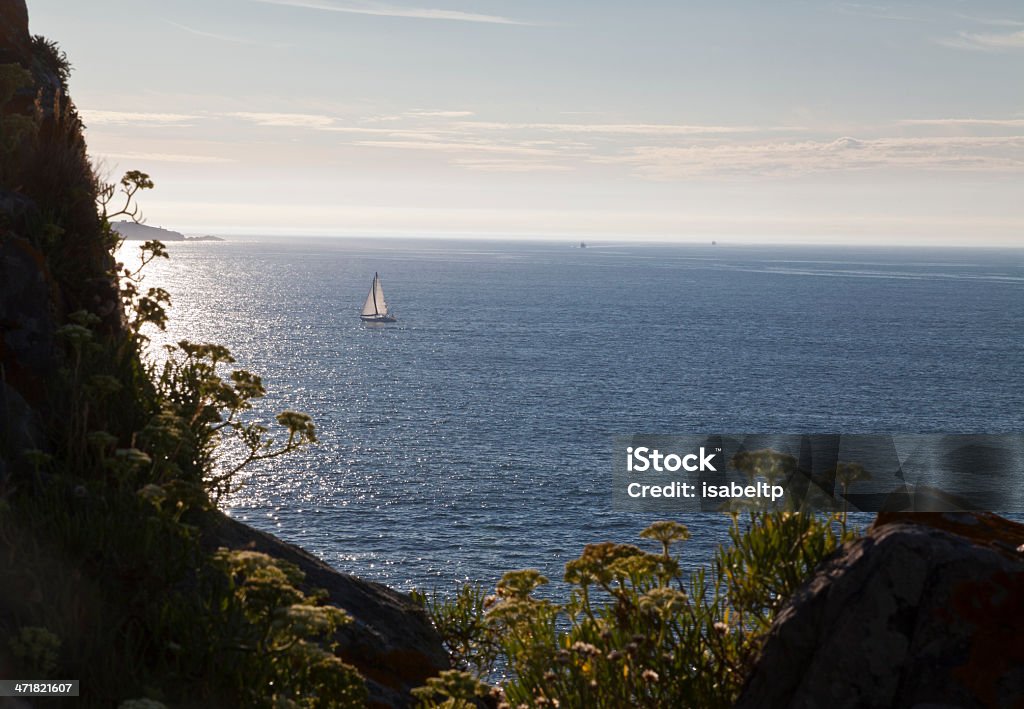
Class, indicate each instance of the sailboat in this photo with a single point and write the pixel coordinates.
(375, 309)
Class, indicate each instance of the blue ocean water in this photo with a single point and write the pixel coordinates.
(475, 434)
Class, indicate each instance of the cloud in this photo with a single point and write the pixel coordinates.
(439, 114)
(665, 129)
(221, 37)
(286, 120)
(168, 157)
(382, 10)
(985, 42)
(877, 12)
(509, 165)
(96, 117)
(994, 22)
(794, 158)
(457, 147)
(966, 122)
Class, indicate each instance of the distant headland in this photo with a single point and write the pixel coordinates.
(131, 231)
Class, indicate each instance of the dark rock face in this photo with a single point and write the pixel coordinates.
(910, 615)
(391, 641)
(54, 261)
(14, 42)
(26, 324)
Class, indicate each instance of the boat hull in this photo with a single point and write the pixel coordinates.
(377, 318)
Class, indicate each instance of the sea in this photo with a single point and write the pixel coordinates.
(474, 435)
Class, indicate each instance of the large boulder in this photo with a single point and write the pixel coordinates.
(391, 641)
(926, 610)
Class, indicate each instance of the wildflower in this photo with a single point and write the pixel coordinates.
(550, 676)
(153, 494)
(76, 335)
(103, 384)
(595, 562)
(133, 456)
(663, 600)
(562, 657)
(36, 648)
(614, 656)
(520, 584)
(35, 457)
(649, 676)
(721, 628)
(101, 439)
(667, 533)
(490, 601)
(585, 648)
(304, 619)
(298, 424)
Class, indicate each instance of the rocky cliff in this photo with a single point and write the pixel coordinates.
(926, 610)
(132, 231)
(59, 305)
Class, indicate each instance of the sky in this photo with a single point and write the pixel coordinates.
(897, 123)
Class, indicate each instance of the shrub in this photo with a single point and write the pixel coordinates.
(634, 630)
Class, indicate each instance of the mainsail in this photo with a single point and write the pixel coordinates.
(375, 305)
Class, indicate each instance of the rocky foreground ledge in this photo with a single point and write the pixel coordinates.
(390, 641)
(926, 610)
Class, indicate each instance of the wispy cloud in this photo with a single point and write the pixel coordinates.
(877, 12)
(320, 122)
(846, 154)
(985, 42)
(992, 21)
(382, 10)
(428, 113)
(286, 120)
(221, 37)
(168, 157)
(458, 147)
(664, 129)
(966, 122)
(488, 164)
(96, 117)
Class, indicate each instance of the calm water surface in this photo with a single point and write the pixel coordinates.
(474, 435)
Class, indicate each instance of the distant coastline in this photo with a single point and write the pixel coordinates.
(131, 231)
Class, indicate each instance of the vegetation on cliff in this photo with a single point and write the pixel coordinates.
(108, 463)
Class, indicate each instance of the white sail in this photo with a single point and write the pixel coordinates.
(375, 303)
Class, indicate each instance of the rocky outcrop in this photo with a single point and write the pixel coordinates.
(926, 610)
(391, 641)
(141, 232)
